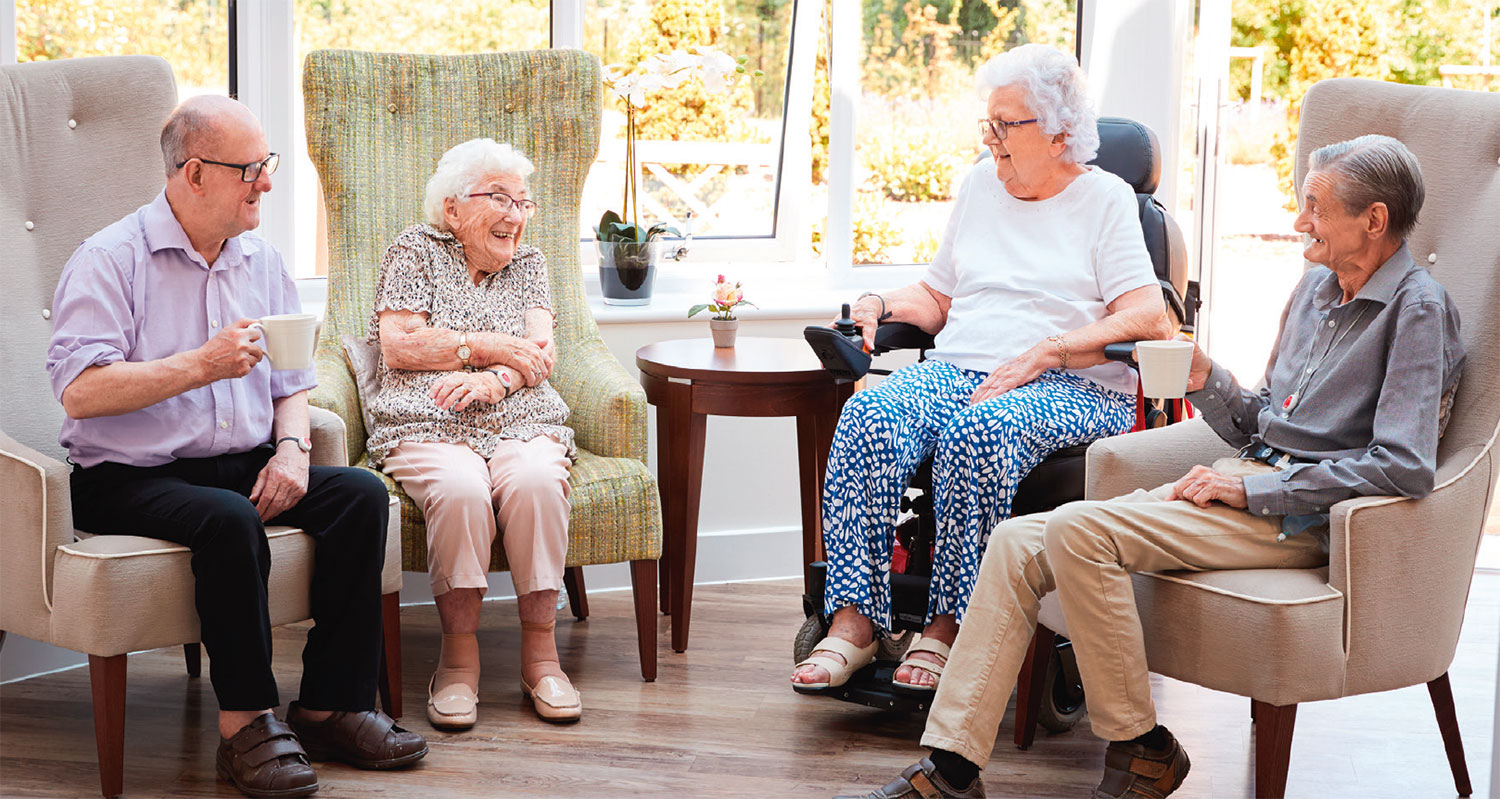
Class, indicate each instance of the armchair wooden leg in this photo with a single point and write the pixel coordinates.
(108, 677)
(390, 655)
(1273, 747)
(578, 600)
(1030, 683)
(1442, 702)
(193, 654)
(643, 585)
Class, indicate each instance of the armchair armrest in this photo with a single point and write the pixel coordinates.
(337, 394)
(1404, 567)
(1121, 464)
(329, 446)
(37, 510)
(607, 407)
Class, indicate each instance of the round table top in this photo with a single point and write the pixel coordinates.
(752, 359)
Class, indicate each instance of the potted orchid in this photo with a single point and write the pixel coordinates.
(629, 251)
(727, 296)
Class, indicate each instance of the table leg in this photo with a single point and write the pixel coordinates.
(814, 439)
(681, 474)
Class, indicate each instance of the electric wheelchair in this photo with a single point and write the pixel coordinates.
(1129, 150)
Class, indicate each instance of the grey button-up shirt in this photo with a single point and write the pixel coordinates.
(1354, 388)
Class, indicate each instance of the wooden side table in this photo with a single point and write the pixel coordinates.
(688, 380)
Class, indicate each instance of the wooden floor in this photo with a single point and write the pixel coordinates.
(721, 722)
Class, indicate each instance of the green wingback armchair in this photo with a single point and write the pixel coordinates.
(376, 125)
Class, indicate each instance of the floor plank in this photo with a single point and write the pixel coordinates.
(721, 722)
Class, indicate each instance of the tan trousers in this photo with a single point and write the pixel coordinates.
(1087, 551)
(522, 488)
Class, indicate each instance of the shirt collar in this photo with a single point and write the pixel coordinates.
(1381, 287)
(164, 232)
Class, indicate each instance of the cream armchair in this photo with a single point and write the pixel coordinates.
(1386, 612)
(94, 123)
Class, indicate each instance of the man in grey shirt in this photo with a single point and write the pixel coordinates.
(1366, 358)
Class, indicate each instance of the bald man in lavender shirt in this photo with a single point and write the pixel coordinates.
(179, 430)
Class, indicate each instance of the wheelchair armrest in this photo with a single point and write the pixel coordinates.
(1122, 351)
(901, 336)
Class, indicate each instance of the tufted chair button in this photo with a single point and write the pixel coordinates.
(391, 108)
(72, 123)
(1432, 258)
(30, 225)
(46, 313)
(509, 107)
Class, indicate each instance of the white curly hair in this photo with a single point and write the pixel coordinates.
(1056, 93)
(460, 169)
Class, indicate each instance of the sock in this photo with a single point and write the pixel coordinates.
(956, 771)
(1156, 739)
(539, 651)
(458, 661)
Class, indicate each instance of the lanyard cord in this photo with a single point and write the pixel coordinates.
(1309, 372)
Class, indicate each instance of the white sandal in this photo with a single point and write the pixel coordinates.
(931, 646)
(855, 658)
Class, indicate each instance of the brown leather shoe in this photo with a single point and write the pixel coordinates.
(1131, 771)
(264, 760)
(363, 739)
(921, 780)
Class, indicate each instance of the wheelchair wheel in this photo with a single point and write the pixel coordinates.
(808, 635)
(1062, 693)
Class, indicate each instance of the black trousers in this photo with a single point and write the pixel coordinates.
(202, 504)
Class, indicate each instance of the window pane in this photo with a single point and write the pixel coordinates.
(916, 120)
(714, 154)
(452, 28)
(193, 35)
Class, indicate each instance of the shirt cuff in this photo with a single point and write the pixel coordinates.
(1265, 494)
(65, 371)
(289, 382)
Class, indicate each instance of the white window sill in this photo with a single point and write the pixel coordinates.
(779, 291)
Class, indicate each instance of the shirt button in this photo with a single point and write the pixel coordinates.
(1265, 511)
(1332, 323)
(1432, 258)
(1309, 370)
(72, 123)
(30, 225)
(224, 425)
(215, 323)
(1210, 395)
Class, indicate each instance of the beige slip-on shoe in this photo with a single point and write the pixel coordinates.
(555, 699)
(454, 708)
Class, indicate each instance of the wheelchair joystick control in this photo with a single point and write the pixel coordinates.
(845, 326)
(839, 348)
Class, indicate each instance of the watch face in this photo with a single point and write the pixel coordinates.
(463, 352)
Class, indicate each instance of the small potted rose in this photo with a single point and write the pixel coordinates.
(727, 297)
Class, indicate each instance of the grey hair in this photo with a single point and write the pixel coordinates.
(192, 126)
(1375, 169)
(1056, 92)
(460, 169)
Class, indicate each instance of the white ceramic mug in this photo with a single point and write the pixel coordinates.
(1164, 367)
(288, 339)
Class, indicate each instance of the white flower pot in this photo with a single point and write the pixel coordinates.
(724, 331)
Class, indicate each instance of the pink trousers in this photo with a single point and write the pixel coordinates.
(522, 489)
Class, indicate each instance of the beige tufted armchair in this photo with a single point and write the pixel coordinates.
(96, 122)
(1386, 612)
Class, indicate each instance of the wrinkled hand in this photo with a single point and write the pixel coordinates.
(1012, 374)
(459, 390)
(548, 347)
(866, 315)
(281, 484)
(1198, 372)
(1203, 485)
(527, 359)
(232, 353)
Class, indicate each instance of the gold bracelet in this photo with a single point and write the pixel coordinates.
(1062, 350)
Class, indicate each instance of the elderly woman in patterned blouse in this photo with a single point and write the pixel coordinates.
(466, 421)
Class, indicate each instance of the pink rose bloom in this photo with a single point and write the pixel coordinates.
(727, 294)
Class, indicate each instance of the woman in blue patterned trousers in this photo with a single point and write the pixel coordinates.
(1042, 264)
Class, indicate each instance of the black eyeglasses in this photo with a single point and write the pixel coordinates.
(249, 173)
(999, 128)
(504, 202)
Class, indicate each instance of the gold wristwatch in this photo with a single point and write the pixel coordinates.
(463, 350)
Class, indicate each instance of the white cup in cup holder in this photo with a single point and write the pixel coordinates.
(288, 339)
(1164, 367)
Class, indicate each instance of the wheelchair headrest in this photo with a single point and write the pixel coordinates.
(1129, 149)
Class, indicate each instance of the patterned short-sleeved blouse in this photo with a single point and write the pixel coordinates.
(425, 271)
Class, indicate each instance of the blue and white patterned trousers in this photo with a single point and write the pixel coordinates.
(980, 454)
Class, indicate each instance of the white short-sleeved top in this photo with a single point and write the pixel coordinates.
(1022, 270)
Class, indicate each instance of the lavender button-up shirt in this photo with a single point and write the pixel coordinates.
(138, 291)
